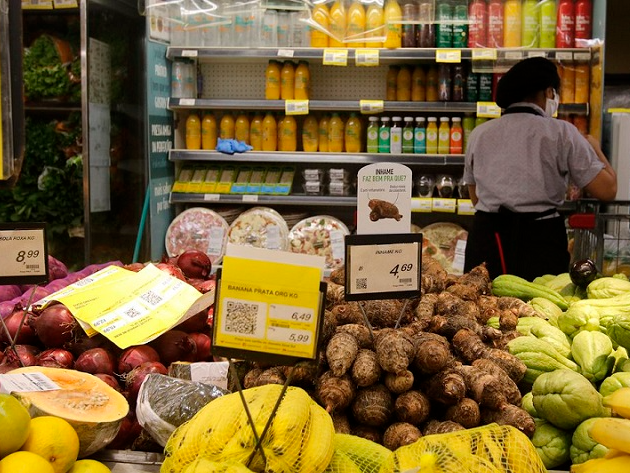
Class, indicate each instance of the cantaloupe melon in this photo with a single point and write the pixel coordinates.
(93, 408)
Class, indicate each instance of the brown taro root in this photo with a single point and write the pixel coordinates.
(509, 414)
(329, 326)
(399, 383)
(373, 406)
(399, 434)
(251, 377)
(341, 352)
(413, 407)
(488, 308)
(463, 291)
(368, 432)
(273, 375)
(303, 373)
(434, 276)
(334, 393)
(341, 423)
(433, 353)
(446, 387)
(471, 347)
(479, 278)
(482, 387)
(365, 370)
(449, 325)
(466, 412)
(394, 350)
(441, 427)
(386, 312)
(518, 306)
(508, 320)
(426, 307)
(359, 331)
(510, 389)
(348, 313)
(383, 209)
(506, 337)
(338, 276)
(335, 294)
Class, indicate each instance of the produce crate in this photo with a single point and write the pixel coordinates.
(601, 232)
(128, 461)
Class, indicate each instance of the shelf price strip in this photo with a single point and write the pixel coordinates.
(367, 57)
(448, 55)
(488, 110)
(371, 106)
(296, 107)
(335, 57)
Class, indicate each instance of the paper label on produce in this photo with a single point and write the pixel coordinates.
(335, 57)
(444, 205)
(460, 256)
(258, 313)
(337, 243)
(217, 238)
(488, 110)
(465, 207)
(367, 57)
(448, 55)
(422, 204)
(371, 106)
(26, 382)
(210, 372)
(23, 257)
(296, 107)
(484, 54)
(273, 237)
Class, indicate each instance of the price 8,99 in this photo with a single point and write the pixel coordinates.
(24, 255)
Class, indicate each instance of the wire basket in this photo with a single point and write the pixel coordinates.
(601, 232)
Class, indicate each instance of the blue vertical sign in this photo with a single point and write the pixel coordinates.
(160, 141)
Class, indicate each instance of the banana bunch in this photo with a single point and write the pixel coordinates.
(614, 433)
(355, 454)
(490, 448)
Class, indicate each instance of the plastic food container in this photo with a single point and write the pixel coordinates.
(261, 227)
(320, 235)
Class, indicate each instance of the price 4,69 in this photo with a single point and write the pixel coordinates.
(401, 268)
(23, 255)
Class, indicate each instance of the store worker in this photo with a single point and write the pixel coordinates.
(518, 167)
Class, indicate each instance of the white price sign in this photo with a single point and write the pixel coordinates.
(23, 255)
(383, 266)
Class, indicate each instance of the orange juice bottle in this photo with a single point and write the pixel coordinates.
(323, 133)
(335, 134)
(287, 81)
(582, 82)
(255, 132)
(567, 83)
(321, 16)
(241, 128)
(512, 23)
(457, 136)
(226, 127)
(302, 81)
(279, 131)
(288, 134)
(356, 25)
(310, 134)
(432, 84)
(337, 25)
(391, 79)
(374, 26)
(403, 84)
(208, 132)
(418, 80)
(193, 131)
(272, 80)
(393, 13)
(352, 134)
(269, 133)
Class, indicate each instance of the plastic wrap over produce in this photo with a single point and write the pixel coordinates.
(160, 415)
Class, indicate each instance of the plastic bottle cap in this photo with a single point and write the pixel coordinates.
(457, 119)
(420, 119)
(385, 119)
(396, 119)
(408, 119)
(373, 119)
(432, 119)
(444, 119)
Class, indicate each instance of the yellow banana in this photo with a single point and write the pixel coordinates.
(340, 462)
(619, 401)
(318, 447)
(612, 432)
(292, 415)
(619, 464)
(520, 453)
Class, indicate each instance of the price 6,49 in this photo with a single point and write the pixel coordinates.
(405, 267)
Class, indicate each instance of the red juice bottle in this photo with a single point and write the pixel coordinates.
(477, 29)
(565, 26)
(583, 19)
(495, 24)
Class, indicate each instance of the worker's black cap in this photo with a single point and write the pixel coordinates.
(525, 78)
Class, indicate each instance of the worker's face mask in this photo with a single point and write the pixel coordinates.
(551, 107)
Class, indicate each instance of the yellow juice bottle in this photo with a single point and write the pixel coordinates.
(241, 128)
(418, 84)
(444, 136)
(208, 132)
(512, 23)
(403, 84)
(393, 14)
(323, 133)
(310, 134)
(279, 123)
(582, 82)
(352, 134)
(432, 135)
(269, 133)
(390, 82)
(356, 25)
(335, 134)
(272, 80)
(287, 81)
(193, 131)
(337, 25)
(432, 84)
(226, 127)
(567, 82)
(321, 16)
(302, 81)
(255, 132)
(288, 134)
(374, 26)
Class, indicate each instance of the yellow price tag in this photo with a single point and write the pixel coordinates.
(448, 55)
(296, 107)
(444, 205)
(371, 106)
(465, 207)
(335, 57)
(484, 54)
(367, 57)
(618, 110)
(488, 110)
(66, 4)
(421, 204)
(37, 4)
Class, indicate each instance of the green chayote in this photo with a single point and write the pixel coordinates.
(593, 352)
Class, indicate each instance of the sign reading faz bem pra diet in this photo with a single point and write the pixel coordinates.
(384, 199)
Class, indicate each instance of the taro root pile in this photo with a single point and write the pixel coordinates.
(423, 366)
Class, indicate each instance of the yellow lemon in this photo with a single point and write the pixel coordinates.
(89, 466)
(14, 424)
(25, 462)
(54, 439)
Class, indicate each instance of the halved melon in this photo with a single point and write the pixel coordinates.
(92, 407)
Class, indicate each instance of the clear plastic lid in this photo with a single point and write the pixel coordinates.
(384, 119)
(321, 235)
(396, 119)
(408, 119)
(420, 119)
(197, 228)
(457, 119)
(444, 119)
(373, 119)
(432, 119)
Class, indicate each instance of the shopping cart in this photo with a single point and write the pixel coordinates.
(601, 232)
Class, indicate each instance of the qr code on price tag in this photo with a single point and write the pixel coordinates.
(242, 318)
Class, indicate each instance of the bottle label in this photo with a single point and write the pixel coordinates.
(444, 135)
(456, 136)
(408, 135)
(419, 135)
(372, 135)
(383, 135)
(431, 135)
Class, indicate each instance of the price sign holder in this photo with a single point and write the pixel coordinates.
(23, 253)
(383, 266)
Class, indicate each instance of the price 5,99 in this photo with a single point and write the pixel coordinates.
(401, 268)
